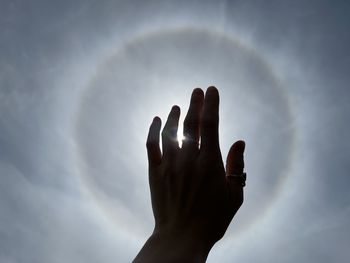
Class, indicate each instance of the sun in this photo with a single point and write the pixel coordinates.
(180, 137)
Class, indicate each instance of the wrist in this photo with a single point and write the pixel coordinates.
(185, 242)
(174, 246)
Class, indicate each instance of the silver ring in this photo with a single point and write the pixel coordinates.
(240, 177)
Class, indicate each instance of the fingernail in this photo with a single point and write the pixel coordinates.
(156, 119)
(241, 146)
(175, 108)
(212, 89)
(197, 90)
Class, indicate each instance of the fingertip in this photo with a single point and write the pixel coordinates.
(212, 97)
(197, 98)
(176, 108)
(198, 91)
(212, 89)
(240, 146)
(157, 120)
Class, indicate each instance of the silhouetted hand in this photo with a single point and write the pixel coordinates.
(193, 198)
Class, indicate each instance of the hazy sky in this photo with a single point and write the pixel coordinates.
(80, 82)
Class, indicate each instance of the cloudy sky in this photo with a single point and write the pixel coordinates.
(80, 82)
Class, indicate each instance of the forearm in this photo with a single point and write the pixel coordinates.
(169, 248)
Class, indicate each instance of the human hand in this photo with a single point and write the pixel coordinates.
(193, 198)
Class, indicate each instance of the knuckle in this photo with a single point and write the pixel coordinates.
(164, 132)
(170, 132)
(151, 144)
(208, 126)
(191, 122)
(209, 121)
(187, 122)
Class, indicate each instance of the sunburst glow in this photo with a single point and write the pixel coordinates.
(180, 136)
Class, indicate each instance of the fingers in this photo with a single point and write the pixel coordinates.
(152, 144)
(210, 120)
(192, 119)
(169, 133)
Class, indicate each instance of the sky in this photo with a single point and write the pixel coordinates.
(80, 82)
